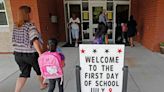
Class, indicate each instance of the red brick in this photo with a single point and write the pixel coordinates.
(149, 15)
(41, 9)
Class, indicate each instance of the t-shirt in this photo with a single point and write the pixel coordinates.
(74, 24)
(103, 19)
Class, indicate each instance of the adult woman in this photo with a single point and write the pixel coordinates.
(74, 26)
(26, 48)
(132, 31)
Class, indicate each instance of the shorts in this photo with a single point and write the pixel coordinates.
(25, 62)
(75, 33)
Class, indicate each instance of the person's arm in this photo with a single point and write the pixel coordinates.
(70, 21)
(37, 46)
(78, 22)
(34, 39)
(100, 20)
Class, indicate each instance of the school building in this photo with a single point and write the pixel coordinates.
(51, 18)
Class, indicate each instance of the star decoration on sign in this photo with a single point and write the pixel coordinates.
(119, 50)
(82, 51)
(106, 51)
(94, 50)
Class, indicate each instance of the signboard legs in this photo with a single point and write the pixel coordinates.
(78, 78)
(125, 78)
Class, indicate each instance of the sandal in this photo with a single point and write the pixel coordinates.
(45, 85)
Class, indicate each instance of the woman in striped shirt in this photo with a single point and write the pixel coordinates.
(26, 48)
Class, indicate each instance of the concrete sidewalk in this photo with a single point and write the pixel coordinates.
(146, 71)
(7, 66)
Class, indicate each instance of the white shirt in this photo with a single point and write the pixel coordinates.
(74, 24)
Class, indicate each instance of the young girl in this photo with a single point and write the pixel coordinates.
(124, 27)
(52, 47)
(100, 37)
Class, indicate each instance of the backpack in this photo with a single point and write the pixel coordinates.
(101, 40)
(98, 40)
(124, 27)
(50, 64)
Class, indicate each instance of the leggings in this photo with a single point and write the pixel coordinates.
(52, 84)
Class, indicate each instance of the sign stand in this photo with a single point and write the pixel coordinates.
(125, 78)
(78, 68)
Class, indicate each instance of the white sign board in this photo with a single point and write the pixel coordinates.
(101, 68)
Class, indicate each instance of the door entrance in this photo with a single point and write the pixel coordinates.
(75, 9)
(95, 10)
(88, 11)
(122, 15)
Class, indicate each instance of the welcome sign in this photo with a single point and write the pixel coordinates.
(101, 68)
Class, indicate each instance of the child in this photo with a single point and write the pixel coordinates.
(53, 73)
(100, 37)
(124, 32)
(52, 46)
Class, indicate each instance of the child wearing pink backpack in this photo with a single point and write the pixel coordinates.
(51, 65)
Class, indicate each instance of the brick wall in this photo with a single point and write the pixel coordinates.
(159, 32)
(15, 4)
(48, 29)
(61, 20)
(149, 18)
(41, 10)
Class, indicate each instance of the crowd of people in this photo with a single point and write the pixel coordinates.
(125, 30)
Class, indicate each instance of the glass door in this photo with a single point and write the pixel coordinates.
(95, 10)
(72, 7)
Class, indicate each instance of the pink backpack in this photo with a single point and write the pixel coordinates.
(51, 65)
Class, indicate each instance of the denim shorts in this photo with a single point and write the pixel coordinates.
(75, 33)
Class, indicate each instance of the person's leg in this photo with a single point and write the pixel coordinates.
(131, 42)
(41, 82)
(77, 37)
(25, 72)
(76, 43)
(73, 33)
(35, 65)
(126, 38)
(20, 84)
(52, 83)
(123, 37)
(60, 85)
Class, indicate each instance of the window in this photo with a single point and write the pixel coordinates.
(3, 18)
